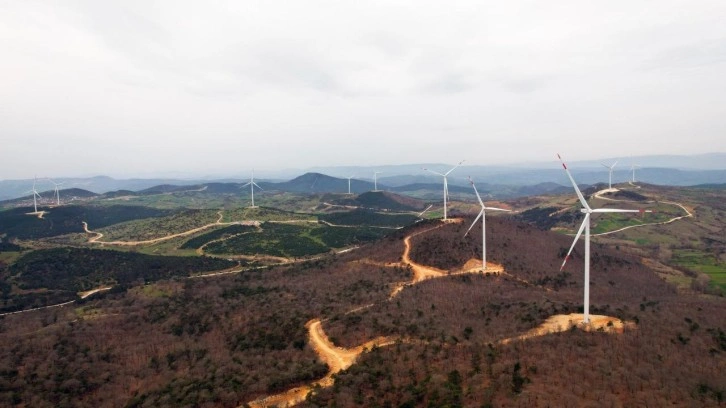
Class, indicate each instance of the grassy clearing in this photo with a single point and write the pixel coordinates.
(9, 257)
(702, 262)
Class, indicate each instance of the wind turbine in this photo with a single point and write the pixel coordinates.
(483, 216)
(375, 180)
(56, 193)
(632, 168)
(446, 184)
(586, 226)
(610, 168)
(35, 194)
(349, 184)
(252, 185)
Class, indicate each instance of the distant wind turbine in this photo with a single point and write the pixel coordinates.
(610, 171)
(252, 185)
(375, 180)
(586, 226)
(35, 194)
(349, 184)
(632, 168)
(56, 192)
(446, 184)
(483, 216)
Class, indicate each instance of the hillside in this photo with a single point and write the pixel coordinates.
(384, 200)
(319, 183)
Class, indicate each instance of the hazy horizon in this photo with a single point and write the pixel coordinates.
(136, 89)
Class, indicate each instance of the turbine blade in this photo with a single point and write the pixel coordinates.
(255, 184)
(616, 162)
(577, 189)
(579, 232)
(477, 192)
(605, 165)
(435, 172)
(498, 209)
(245, 185)
(616, 210)
(447, 173)
(475, 220)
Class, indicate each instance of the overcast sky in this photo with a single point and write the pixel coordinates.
(151, 88)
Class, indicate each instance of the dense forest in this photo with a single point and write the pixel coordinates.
(362, 217)
(50, 276)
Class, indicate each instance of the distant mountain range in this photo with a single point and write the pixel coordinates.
(496, 181)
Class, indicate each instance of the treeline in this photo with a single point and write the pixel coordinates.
(15, 223)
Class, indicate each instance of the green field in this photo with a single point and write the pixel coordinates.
(294, 240)
(702, 262)
(614, 221)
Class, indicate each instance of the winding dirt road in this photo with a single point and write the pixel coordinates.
(339, 359)
(336, 358)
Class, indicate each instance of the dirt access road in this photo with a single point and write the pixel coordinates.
(96, 239)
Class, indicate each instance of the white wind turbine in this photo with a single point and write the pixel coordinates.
(586, 226)
(446, 184)
(610, 171)
(349, 184)
(483, 216)
(252, 185)
(375, 180)
(56, 193)
(632, 168)
(35, 196)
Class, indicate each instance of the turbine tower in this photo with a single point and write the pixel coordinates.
(349, 193)
(483, 216)
(446, 184)
(252, 185)
(375, 180)
(586, 226)
(56, 193)
(632, 168)
(610, 169)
